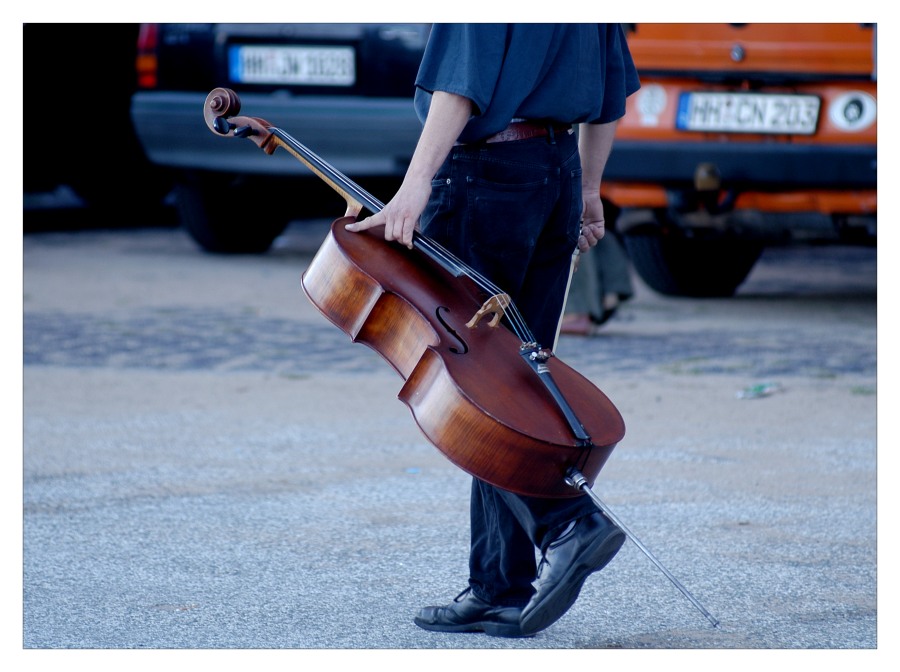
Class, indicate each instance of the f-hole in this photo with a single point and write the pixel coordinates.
(464, 348)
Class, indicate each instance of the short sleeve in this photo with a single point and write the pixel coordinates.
(621, 75)
(465, 59)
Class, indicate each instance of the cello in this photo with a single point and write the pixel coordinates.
(535, 426)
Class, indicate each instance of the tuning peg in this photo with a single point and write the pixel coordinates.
(221, 125)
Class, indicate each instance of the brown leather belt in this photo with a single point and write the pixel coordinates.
(523, 130)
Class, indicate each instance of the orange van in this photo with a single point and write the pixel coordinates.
(743, 136)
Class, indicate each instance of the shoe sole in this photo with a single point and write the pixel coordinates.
(560, 599)
(487, 627)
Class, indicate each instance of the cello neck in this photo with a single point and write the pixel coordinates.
(356, 197)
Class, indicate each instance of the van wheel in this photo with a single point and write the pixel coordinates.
(693, 263)
(223, 214)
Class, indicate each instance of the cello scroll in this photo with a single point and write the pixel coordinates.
(221, 110)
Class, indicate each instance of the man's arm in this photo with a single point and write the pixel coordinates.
(595, 143)
(447, 117)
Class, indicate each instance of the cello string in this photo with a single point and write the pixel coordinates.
(520, 328)
(432, 248)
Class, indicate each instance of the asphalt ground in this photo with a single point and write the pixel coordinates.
(210, 467)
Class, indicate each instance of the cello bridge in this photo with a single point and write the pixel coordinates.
(495, 306)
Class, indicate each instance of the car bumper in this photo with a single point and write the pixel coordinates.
(358, 136)
(745, 165)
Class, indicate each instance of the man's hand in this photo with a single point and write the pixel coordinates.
(593, 226)
(400, 216)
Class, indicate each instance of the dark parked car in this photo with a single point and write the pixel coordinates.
(78, 82)
(344, 90)
(743, 136)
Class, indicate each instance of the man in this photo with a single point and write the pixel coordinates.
(500, 178)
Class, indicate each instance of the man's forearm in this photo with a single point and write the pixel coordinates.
(595, 143)
(447, 117)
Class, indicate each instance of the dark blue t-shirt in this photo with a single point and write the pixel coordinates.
(570, 73)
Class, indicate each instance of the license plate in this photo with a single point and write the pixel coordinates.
(748, 112)
(319, 66)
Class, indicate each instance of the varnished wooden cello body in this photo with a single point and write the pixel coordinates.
(469, 389)
(494, 402)
(491, 399)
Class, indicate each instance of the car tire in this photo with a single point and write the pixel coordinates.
(134, 188)
(226, 215)
(690, 263)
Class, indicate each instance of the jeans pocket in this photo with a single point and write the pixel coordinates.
(505, 219)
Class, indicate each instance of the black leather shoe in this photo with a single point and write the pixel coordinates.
(468, 613)
(580, 551)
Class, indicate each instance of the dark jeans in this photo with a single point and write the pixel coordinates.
(512, 211)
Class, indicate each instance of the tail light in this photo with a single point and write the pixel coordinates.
(146, 63)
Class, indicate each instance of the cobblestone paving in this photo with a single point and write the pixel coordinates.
(804, 311)
(188, 339)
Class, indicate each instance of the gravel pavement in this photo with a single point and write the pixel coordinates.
(209, 465)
